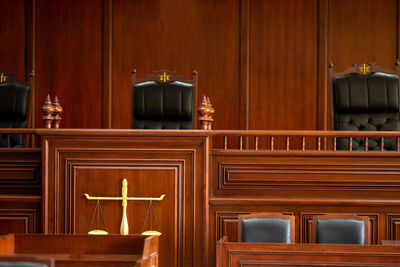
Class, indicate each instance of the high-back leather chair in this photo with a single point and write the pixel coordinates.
(14, 107)
(365, 98)
(164, 100)
(339, 228)
(266, 228)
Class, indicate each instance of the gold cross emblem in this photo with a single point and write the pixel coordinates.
(164, 77)
(364, 69)
(3, 78)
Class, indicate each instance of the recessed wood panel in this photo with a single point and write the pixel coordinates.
(142, 182)
(69, 60)
(283, 64)
(19, 217)
(294, 174)
(362, 30)
(153, 163)
(12, 36)
(20, 172)
(393, 227)
(178, 36)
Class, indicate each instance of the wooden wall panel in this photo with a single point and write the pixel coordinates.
(283, 64)
(304, 183)
(23, 221)
(362, 30)
(12, 36)
(95, 163)
(263, 63)
(69, 60)
(142, 181)
(20, 191)
(178, 36)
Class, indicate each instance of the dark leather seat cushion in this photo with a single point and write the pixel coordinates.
(266, 230)
(21, 264)
(340, 231)
(162, 106)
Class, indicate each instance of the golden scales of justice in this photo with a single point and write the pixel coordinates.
(124, 230)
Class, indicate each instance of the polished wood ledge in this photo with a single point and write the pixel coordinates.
(238, 254)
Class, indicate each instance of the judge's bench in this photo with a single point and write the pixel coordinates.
(208, 178)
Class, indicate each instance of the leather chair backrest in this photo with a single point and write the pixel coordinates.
(162, 105)
(14, 105)
(21, 264)
(266, 230)
(366, 103)
(340, 231)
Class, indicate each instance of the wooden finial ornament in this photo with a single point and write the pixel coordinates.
(205, 114)
(48, 111)
(57, 111)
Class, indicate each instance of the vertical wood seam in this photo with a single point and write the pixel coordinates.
(322, 65)
(107, 64)
(244, 53)
(30, 53)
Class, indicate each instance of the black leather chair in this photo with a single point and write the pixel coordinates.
(266, 228)
(14, 107)
(164, 100)
(365, 98)
(340, 229)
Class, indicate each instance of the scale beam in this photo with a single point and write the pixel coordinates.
(128, 198)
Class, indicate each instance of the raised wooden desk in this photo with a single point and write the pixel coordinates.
(84, 250)
(209, 178)
(235, 254)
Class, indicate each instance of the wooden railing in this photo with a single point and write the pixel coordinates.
(29, 137)
(298, 140)
(252, 140)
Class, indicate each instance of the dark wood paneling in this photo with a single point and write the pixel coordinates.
(18, 221)
(178, 36)
(12, 36)
(362, 30)
(20, 214)
(288, 174)
(174, 163)
(69, 60)
(393, 227)
(303, 184)
(263, 63)
(283, 64)
(20, 172)
(242, 254)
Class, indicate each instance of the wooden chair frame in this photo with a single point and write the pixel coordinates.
(276, 215)
(356, 69)
(342, 216)
(172, 76)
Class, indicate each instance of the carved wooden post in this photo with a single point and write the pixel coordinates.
(47, 110)
(206, 111)
(57, 111)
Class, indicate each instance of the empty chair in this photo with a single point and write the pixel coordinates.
(163, 100)
(14, 107)
(365, 98)
(266, 228)
(340, 229)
